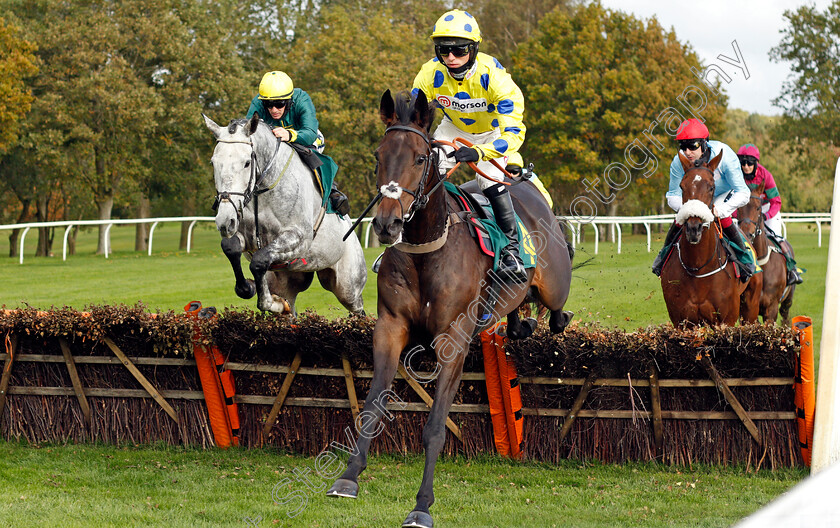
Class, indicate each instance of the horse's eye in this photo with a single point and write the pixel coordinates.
(247, 164)
(420, 160)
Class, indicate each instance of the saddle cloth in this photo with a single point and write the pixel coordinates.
(489, 236)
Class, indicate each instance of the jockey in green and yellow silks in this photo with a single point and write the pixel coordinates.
(291, 114)
(482, 104)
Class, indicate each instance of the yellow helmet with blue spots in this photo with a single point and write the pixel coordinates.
(457, 24)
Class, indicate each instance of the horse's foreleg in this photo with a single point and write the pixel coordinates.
(260, 264)
(434, 434)
(232, 248)
(390, 337)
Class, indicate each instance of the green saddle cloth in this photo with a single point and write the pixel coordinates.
(326, 174)
(747, 256)
(497, 237)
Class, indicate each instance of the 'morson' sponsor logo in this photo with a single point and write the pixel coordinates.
(462, 105)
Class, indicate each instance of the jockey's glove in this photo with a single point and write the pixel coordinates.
(464, 154)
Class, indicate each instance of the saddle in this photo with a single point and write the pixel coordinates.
(477, 211)
(323, 170)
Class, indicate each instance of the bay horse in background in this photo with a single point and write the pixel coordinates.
(698, 280)
(433, 287)
(776, 293)
(270, 208)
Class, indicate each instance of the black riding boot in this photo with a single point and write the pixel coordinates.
(732, 234)
(510, 266)
(659, 261)
(339, 201)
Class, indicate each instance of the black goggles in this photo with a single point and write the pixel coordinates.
(275, 103)
(748, 161)
(690, 144)
(460, 50)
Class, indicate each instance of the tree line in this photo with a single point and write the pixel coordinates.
(101, 105)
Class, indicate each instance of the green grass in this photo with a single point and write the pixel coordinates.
(612, 290)
(79, 485)
(166, 486)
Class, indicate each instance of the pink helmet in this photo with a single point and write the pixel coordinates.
(692, 129)
(749, 150)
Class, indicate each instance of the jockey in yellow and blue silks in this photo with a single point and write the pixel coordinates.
(483, 105)
(731, 192)
(291, 115)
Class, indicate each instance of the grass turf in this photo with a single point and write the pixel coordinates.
(168, 486)
(78, 485)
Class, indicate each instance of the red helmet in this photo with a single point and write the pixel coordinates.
(692, 129)
(749, 150)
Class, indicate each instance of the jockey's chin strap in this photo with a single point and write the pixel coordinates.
(254, 181)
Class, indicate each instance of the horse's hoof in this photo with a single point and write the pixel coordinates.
(280, 305)
(247, 291)
(418, 519)
(344, 488)
(522, 330)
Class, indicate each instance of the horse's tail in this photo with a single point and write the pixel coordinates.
(564, 227)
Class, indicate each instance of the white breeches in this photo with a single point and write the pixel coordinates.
(448, 131)
(774, 224)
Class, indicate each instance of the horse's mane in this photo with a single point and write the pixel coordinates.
(243, 122)
(404, 103)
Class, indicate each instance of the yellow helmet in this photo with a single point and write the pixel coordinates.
(276, 85)
(457, 24)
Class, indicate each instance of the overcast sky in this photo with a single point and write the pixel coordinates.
(710, 26)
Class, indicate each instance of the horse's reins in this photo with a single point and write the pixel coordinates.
(758, 231)
(421, 199)
(250, 191)
(692, 271)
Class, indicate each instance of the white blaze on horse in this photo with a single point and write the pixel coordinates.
(270, 208)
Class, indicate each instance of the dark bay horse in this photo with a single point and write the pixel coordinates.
(698, 281)
(776, 294)
(433, 286)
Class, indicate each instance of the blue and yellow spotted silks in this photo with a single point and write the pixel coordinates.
(486, 99)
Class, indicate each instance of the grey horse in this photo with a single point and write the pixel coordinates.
(270, 208)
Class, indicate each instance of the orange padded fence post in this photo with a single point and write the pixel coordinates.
(503, 393)
(211, 385)
(804, 392)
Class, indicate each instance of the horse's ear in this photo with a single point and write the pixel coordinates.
(715, 161)
(423, 113)
(686, 163)
(387, 111)
(760, 190)
(214, 128)
(253, 124)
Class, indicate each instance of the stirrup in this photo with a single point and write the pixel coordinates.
(515, 274)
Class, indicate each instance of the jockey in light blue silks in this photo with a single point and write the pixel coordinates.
(291, 115)
(731, 192)
(483, 105)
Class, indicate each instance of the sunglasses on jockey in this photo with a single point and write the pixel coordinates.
(460, 50)
(268, 104)
(690, 144)
(749, 161)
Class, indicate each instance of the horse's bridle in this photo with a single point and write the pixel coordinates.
(421, 199)
(757, 225)
(693, 271)
(254, 179)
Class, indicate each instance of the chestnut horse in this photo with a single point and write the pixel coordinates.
(435, 280)
(698, 280)
(776, 294)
